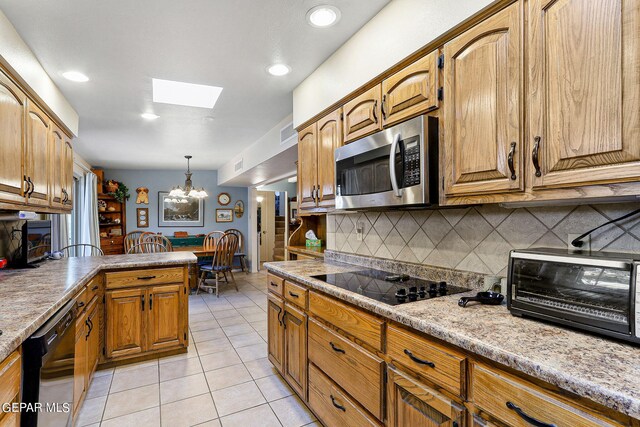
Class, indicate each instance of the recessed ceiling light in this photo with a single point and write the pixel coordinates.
(323, 16)
(189, 94)
(75, 76)
(149, 116)
(278, 70)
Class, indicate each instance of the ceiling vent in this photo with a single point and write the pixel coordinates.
(238, 166)
(287, 133)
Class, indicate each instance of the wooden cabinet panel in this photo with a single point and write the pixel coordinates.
(276, 284)
(295, 331)
(12, 137)
(57, 167)
(10, 380)
(164, 327)
(307, 167)
(333, 407)
(512, 400)
(93, 340)
(354, 369)
(355, 322)
(37, 155)
(411, 403)
(67, 182)
(80, 361)
(125, 323)
(584, 92)
(295, 294)
(482, 113)
(361, 115)
(329, 138)
(411, 91)
(150, 276)
(442, 365)
(275, 331)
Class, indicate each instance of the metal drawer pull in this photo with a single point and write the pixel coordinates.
(535, 155)
(294, 295)
(527, 418)
(420, 361)
(342, 408)
(95, 288)
(146, 277)
(275, 285)
(80, 304)
(337, 349)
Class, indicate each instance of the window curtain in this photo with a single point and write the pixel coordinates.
(84, 219)
(60, 236)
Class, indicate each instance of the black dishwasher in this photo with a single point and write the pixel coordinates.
(47, 373)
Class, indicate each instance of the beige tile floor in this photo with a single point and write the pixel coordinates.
(225, 379)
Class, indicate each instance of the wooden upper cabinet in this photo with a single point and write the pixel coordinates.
(584, 94)
(125, 322)
(411, 91)
(165, 328)
(57, 167)
(307, 169)
(67, 185)
(329, 138)
(37, 155)
(362, 115)
(12, 133)
(482, 113)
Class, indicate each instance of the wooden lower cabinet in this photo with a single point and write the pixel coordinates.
(275, 328)
(125, 323)
(295, 349)
(165, 328)
(87, 350)
(412, 403)
(10, 379)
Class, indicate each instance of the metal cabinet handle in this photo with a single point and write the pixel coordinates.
(528, 418)
(86, 337)
(146, 277)
(294, 295)
(333, 401)
(284, 320)
(417, 360)
(512, 151)
(80, 304)
(25, 192)
(280, 321)
(384, 114)
(337, 349)
(95, 288)
(150, 302)
(33, 186)
(535, 159)
(375, 116)
(142, 301)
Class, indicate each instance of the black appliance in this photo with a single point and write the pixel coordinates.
(47, 371)
(596, 292)
(389, 288)
(36, 243)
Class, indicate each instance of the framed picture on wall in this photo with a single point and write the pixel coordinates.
(224, 215)
(142, 216)
(179, 211)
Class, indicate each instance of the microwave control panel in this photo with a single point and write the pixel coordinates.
(411, 162)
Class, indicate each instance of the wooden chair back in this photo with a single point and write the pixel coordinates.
(240, 237)
(211, 240)
(131, 239)
(225, 251)
(81, 250)
(147, 248)
(157, 238)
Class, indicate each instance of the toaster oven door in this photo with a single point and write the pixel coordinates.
(598, 297)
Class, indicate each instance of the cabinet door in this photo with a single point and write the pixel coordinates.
(93, 340)
(275, 328)
(329, 138)
(165, 325)
(68, 174)
(482, 113)
(361, 116)
(12, 136)
(57, 167)
(80, 360)
(125, 323)
(584, 95)
(307, 167)
(295, 339)
(37, 155)
(411, 91)
(411, 403)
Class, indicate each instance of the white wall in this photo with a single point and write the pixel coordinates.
(401, 28)
(16, 52)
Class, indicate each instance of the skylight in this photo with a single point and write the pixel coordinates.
(189, 94)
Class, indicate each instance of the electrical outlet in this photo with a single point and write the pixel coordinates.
(360, 231)
(586, 243)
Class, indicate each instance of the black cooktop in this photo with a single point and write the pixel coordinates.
(389, 288)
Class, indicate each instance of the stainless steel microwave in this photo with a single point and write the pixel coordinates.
(596, 292)
(396, 167)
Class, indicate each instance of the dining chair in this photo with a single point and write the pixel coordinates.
(131, 239)
(157, 238)
(222, 264)
(240, 253)
(211, 240)
(81, 250)
(147, 248)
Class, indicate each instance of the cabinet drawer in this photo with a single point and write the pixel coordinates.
(93, 288)
(123, 279)
(356, 370)
(512, 400)
(442, 365)
(81, 298)
(275, 283)
(295, 294)
(361, 325)
(333, 406)
(10, 371)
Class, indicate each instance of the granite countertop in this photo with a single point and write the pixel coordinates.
(603, 370)
(29, 297)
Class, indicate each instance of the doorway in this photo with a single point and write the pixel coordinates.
(266, 218)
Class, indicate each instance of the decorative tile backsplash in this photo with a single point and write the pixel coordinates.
(479, 238)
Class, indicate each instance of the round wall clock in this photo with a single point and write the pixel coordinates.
(224, 199)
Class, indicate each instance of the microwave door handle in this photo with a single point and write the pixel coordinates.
(392, 166)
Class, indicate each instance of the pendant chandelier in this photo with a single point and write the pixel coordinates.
(188, 190)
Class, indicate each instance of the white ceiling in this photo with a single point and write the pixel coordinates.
(122, 44)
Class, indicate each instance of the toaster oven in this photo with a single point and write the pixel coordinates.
(595, 292)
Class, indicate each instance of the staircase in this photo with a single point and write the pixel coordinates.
(278, 250)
